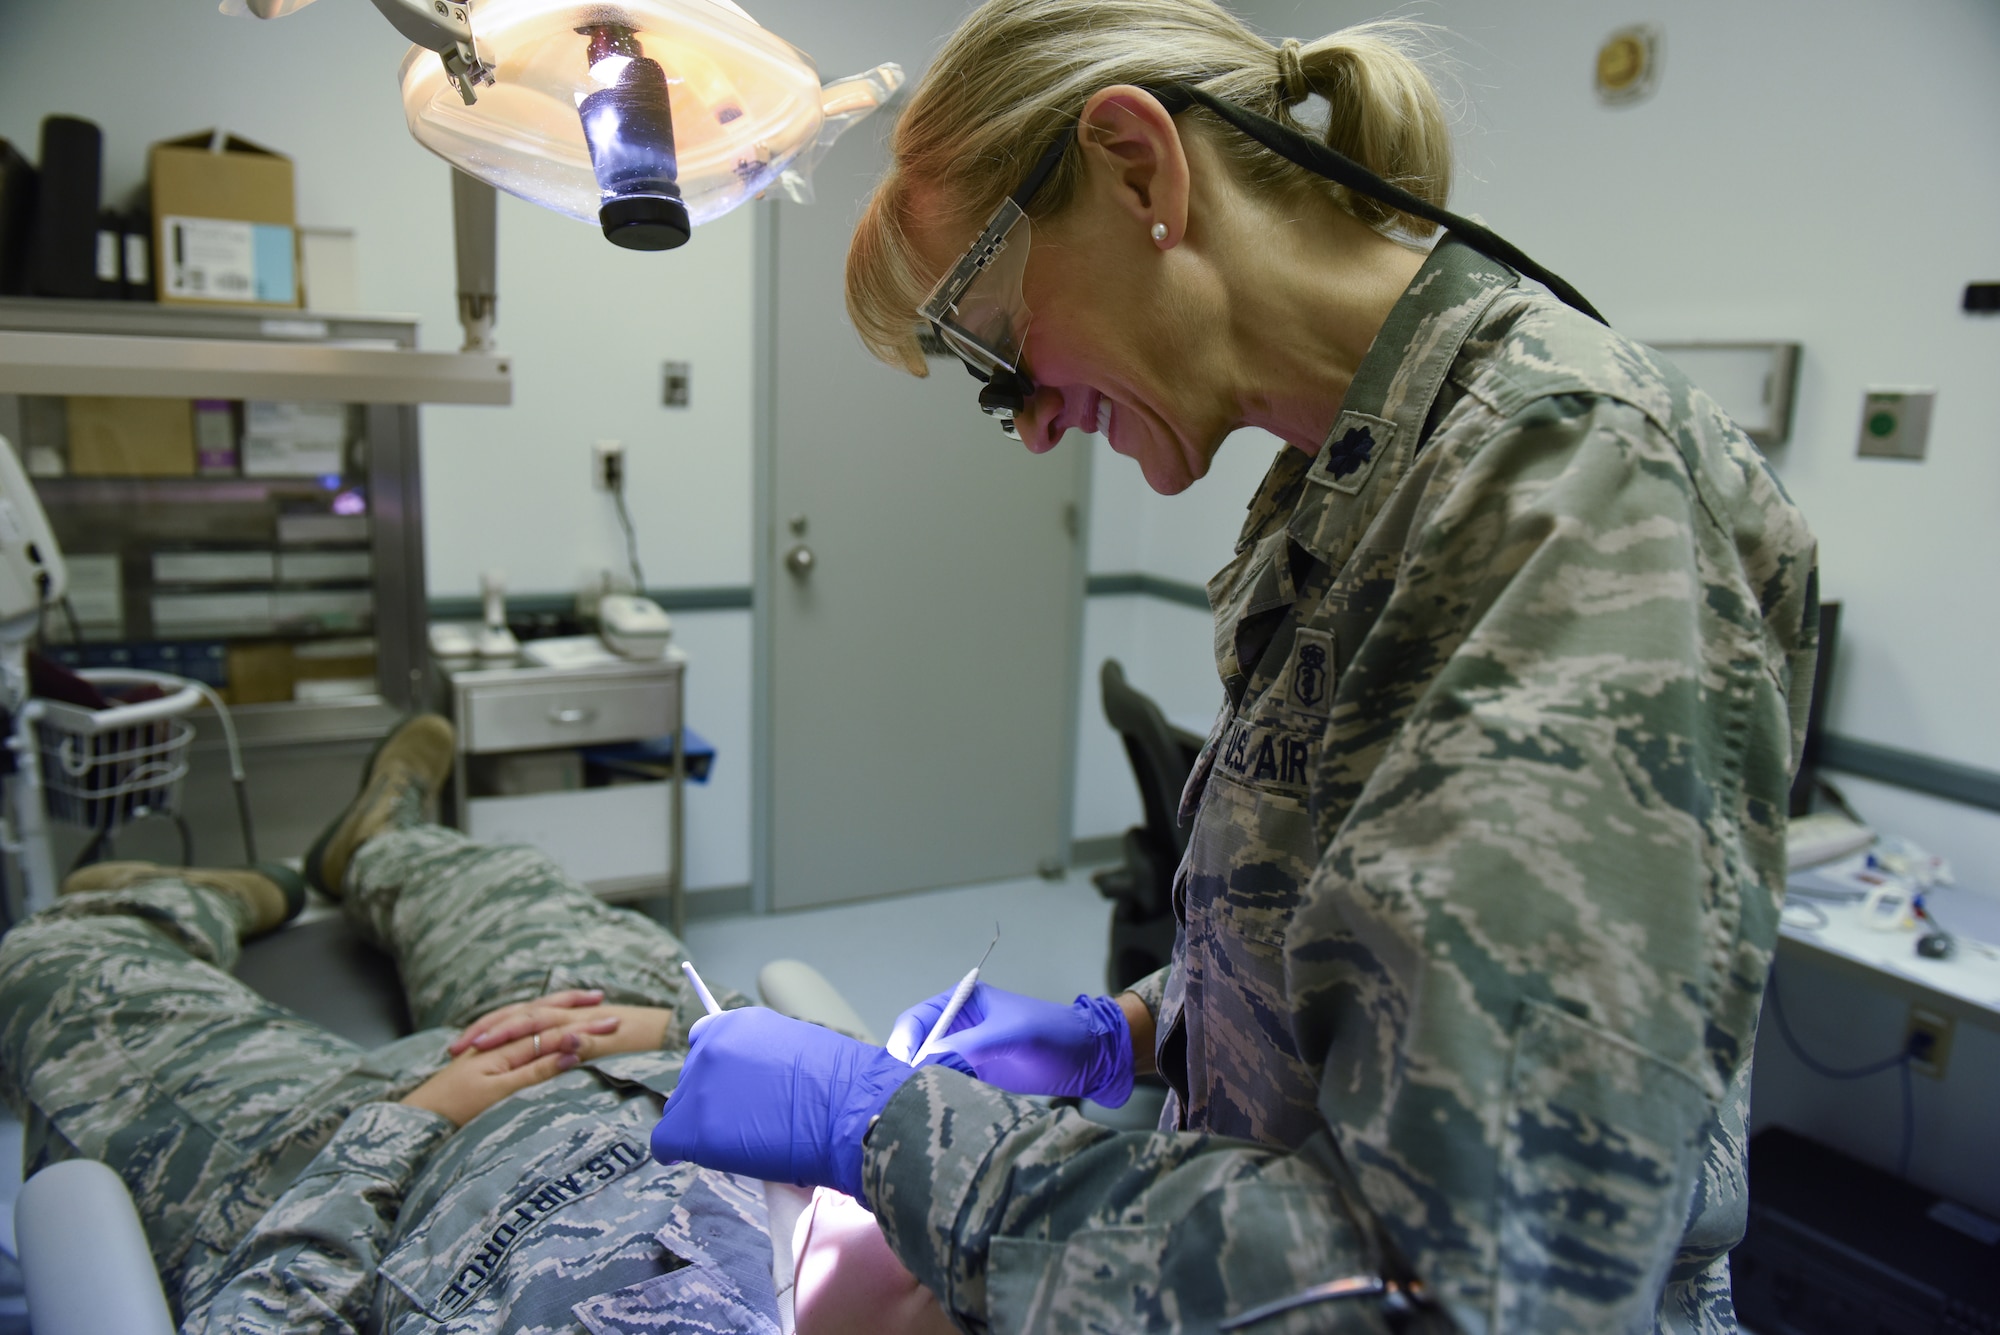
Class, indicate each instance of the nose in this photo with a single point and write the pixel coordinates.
(1039, 421)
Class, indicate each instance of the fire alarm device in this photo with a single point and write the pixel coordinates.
(1628, 65)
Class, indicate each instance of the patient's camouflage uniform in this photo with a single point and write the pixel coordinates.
(1483, 882)
(281, 1187)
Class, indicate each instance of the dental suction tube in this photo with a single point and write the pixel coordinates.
(628, 124)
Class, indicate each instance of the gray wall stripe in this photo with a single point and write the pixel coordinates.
(1130, 582)
(1906, 769)
(718, 598)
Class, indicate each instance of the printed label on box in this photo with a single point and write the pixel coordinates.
(293, 439)
(216, 259)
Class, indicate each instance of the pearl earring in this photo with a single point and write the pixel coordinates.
(1159, 231)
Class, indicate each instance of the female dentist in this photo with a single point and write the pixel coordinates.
(1487, 845)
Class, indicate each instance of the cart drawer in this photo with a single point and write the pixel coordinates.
(604, 837)
(529, 716)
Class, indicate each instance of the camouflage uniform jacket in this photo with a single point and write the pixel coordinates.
(1483, 884)
(543, 1212)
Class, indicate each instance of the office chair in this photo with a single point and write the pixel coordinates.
(1142, 888)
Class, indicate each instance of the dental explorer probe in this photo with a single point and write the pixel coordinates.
(959, 996)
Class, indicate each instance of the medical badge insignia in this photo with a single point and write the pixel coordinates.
(1309, 683)
(1309, 677)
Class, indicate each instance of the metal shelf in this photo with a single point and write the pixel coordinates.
(55, 316)
(83, 492)
(300, 750)
(137, 365)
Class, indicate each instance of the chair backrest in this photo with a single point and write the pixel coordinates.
(1162, 755)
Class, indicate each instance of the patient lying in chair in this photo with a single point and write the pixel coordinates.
(490, 1171)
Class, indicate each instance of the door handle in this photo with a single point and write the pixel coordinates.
(800, 560)
(571, 714)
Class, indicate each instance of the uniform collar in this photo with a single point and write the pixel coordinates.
(1406, 364)
(1381, 421)
(1392, 393)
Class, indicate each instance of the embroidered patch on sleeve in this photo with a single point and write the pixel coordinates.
(1309, 676)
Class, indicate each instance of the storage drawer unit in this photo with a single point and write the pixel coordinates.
(621, 842)
(537, 715)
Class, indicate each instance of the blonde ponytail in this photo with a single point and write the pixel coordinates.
(1384, 112)
(1017, 73)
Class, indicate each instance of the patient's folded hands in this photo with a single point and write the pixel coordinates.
(478, 1078)
(523, 1044)
(606, 1028)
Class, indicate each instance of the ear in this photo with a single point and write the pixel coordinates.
(1132, 152)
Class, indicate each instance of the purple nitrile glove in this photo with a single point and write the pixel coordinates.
(775, 1098)
(1029, 1046)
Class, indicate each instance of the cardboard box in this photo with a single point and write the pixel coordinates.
(260, 674)
(223, 215)
(130, 437)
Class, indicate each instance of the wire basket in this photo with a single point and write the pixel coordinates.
(105, 768)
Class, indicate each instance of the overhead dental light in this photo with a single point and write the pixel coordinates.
(647, 117)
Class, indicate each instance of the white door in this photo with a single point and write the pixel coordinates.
(920, 595)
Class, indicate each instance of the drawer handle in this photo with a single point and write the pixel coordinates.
(572, 714)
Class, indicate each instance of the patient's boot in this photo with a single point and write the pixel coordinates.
(270, 895)
(399, 788)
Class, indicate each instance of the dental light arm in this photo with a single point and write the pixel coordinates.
(443, 28)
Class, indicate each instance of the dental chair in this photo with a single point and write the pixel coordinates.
(83, 1251)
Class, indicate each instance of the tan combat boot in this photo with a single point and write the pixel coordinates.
(271, 894)
(408, 768)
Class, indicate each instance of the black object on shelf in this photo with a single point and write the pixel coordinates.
(1835, 1247)
(17, 219)
(63, 250)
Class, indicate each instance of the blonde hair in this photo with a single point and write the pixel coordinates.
(1017, 73)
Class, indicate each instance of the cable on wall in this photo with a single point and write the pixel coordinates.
(1901, 1061)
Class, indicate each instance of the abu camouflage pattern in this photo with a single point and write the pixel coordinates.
(282, 1188)
(1543, 621)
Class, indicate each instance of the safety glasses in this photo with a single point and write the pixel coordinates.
(977, 308)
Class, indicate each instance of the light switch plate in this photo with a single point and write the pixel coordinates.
(1896, 423)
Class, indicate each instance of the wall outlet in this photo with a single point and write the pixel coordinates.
(674, 384)
(1928, 1041)
(1896, 423)
(607, 465)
